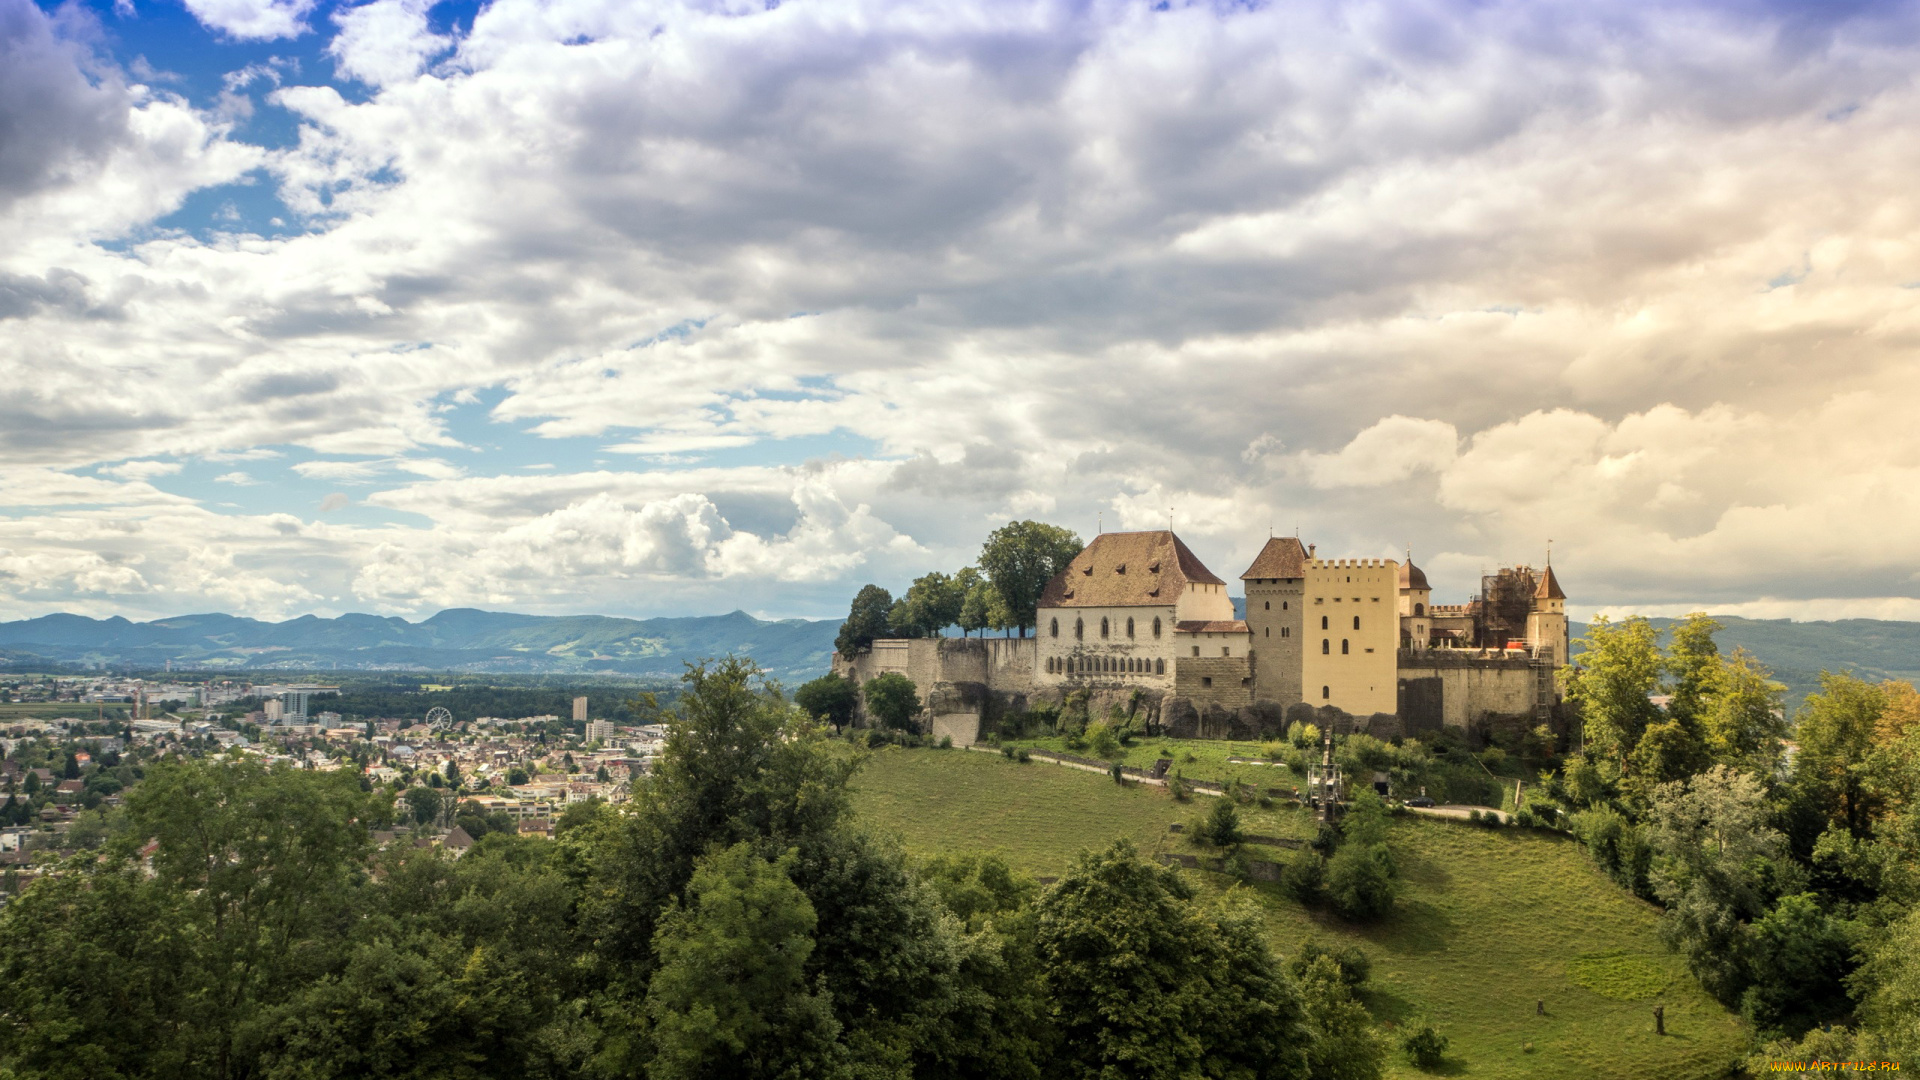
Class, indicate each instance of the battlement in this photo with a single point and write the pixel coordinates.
(1351, 564)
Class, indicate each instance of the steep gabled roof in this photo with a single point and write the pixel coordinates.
(1283, 557)
(1135, 569)
(1549, 587)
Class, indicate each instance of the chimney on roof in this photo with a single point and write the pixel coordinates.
(1309, 551)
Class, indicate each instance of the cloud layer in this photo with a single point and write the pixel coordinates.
(659, 307)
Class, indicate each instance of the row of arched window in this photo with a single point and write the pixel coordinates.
(1326, 646)
(1323, 622)
(1106, 628)
(1122, 665)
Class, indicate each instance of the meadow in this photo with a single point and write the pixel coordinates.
(1488, 923)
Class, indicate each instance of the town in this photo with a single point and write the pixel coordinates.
(453, 780)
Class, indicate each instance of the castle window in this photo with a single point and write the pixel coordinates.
(1196, 650)
(1283, 605)
(1103, 627)
(1356, 622)
(1156, 626)
(1053, 627)
(1079, 629)
(1286, 631)
(1269, 632)
(1129, 627)
(1160, 667)
(1343, 647)
(1226, 650)
(1326, 692)
(1268, 606)
(1206, 680)
(1323, 622)
(1326, 647)
(1419, 609)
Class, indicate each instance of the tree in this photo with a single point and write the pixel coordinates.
(1835, 730)
(1712, 853)
(932, 603)
(1019, 559)
(1221, 828)
(892, 700)
(1610, 681)
(1144, 981)
(1900, 715)
(830, 699)
(1693, 666)
(1360, 880)
(1743, 723)
(867, 619)
(72, 770)
(982, 609)
(1345, 1044)
(731, 995)
(424, 804)
(517, 776)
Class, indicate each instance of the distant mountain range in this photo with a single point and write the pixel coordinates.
(459, 639)
(465, 639)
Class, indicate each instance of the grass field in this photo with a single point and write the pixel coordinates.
(49, 710)
(1488, 922)
(1212, 759)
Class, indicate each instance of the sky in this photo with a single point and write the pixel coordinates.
(664, 308)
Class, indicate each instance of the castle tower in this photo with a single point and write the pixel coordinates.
(1275, 585)
(1416, 604)
(1547, 622)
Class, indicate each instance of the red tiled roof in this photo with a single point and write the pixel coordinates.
(1283, 557)
(1136, 569)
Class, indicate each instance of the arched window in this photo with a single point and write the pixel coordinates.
(1323, 622)
(1054, 627)
(1326, 647)
(1269, 632)
(1356, 622)
(1419, 609)
(1156, 626)
(1267, 606)
(1129, 627)
(1343, 647)
(1103, 626)
(1283, 605)
(1079, 629)
(1160, 666)
(1326, 692)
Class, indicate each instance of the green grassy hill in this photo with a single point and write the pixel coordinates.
(1488, 923)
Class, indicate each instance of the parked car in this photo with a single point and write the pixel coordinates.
(1419, 800)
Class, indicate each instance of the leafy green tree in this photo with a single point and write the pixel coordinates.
(424, 804)
(1692, 664)
(1744, 723)
(1609, 683)
(1221, 827)
(998, 1028)
(72, 769)
(1145, 981)
(1798, 958)
(831, 699)
(975, 600)
(1345, 1043)
(869, 617)
(1668, 750)
(1360, 880)
(1019, 559)
(731, 997)
(932, 603)
(892, 700)
(1712, 853)
(1835, 731)
(517, 776)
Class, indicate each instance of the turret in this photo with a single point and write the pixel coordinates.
(1547, 623)
(1416, 599)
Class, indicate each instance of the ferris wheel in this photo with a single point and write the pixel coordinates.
(440, 718)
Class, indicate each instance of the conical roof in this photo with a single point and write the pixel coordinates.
(1549, 587)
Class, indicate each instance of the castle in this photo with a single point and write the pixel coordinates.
(1137, 619)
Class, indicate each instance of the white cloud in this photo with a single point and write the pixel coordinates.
(1392, 450)
(254, 20)
(141, 470)
(235, 477)
(385, 41)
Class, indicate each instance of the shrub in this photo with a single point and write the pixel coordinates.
(1473, 817)
(1178, 788)
(1360, 881)
(1296, 761)
(1221, 826)
(1424, 1046)
(1303, 876)
(946, 742)
(1273, 750)
(1102, 740)
(1355, 967)
(1007, 751)
(1023, 756)
(1119, 776)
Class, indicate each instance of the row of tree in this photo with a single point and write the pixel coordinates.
(1001, 593)
(730, 922)
(1787, 856)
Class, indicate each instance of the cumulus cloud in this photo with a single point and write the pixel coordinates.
(810, 293)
